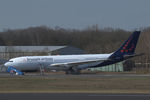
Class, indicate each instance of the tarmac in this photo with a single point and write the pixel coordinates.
(90, 75)
(53, 75)
(72, 96)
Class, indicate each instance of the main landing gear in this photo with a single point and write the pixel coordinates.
(73, 71)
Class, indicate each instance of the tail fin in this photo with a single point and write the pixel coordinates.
(128, 48)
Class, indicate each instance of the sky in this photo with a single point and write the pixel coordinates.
(74, 14)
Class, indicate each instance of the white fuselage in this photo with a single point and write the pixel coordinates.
(35, 62)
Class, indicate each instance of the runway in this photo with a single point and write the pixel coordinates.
(77, 95)
(55, 75)
(72, 96)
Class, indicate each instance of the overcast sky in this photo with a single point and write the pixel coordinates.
(75, 14)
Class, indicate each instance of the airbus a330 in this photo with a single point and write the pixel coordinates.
(72, 64)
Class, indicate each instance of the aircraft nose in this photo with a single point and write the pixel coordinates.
(7, 64)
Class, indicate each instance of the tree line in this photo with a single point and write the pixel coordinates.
(92, 39)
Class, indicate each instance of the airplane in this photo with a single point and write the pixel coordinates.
(73, 64)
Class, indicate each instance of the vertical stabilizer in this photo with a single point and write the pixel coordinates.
(128, 48)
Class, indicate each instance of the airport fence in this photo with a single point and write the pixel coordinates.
(142, 64)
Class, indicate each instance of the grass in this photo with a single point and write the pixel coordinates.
(75, 85)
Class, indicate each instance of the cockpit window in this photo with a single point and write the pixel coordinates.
(10, 60)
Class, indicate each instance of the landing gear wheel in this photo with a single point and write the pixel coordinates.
(73, 72)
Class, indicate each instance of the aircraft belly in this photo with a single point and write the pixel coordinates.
(84, 66)
(57, 68)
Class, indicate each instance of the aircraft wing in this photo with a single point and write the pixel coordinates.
(67, 64)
